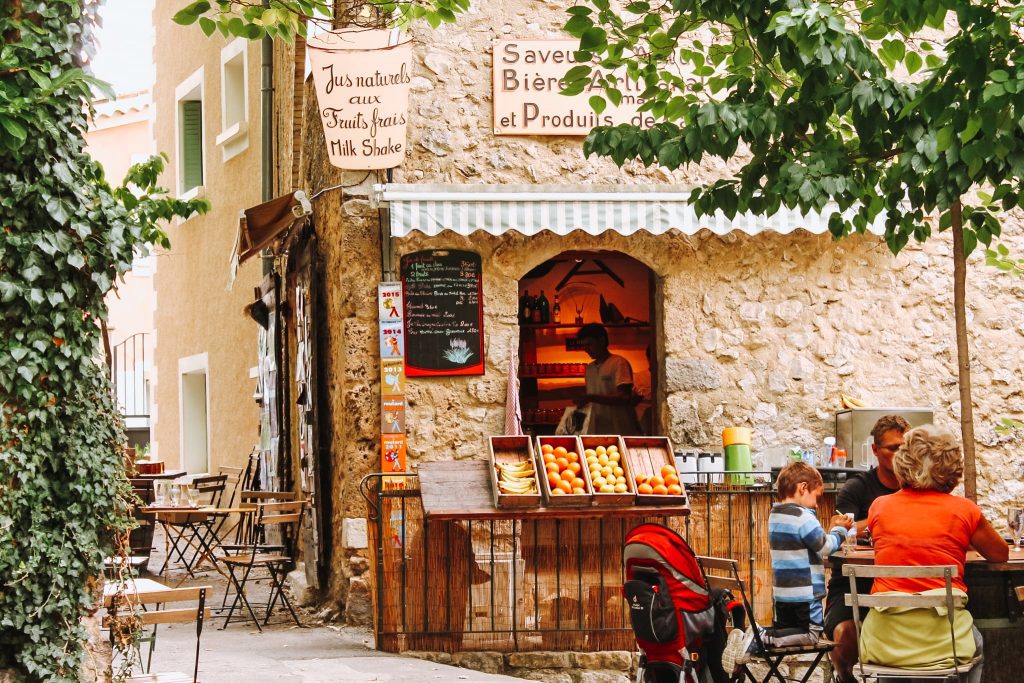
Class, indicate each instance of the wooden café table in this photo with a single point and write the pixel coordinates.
(992, 601)
(191, 526)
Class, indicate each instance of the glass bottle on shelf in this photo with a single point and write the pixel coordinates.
(526, 307)
(543, 310)
(556, 312)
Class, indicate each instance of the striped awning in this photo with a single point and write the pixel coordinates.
(561, 209)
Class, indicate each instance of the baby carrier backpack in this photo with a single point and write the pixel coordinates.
(669, 604)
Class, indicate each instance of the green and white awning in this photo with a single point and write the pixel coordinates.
(562, 209)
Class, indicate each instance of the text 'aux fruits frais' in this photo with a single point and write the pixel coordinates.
(564, 471)
(516, 479)
(666, 483)
(605, 467)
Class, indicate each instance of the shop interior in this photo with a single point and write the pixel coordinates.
(555, 299)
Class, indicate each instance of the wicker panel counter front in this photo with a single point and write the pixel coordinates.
(453, 573)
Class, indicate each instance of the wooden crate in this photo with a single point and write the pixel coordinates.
(512, 450)
(570, 443)
(627, 498)
(647, 455)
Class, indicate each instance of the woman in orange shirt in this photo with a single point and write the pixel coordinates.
(924, 524)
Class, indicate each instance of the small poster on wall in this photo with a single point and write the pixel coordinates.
(392, 453)
(392, 410)
(392, 377)
(392, 340)
(443, 299)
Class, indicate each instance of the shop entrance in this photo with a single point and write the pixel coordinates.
(556, 299)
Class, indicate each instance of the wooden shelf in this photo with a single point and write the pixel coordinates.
(560, 326)
(555, 375)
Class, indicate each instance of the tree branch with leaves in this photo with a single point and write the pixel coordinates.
(872, 107)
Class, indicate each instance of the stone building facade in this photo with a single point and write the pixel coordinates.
(764, 331)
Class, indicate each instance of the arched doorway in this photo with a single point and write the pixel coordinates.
(556, 299)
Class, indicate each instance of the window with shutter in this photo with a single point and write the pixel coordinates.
(192, 144)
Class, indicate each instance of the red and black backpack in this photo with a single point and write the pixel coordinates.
(669, 603)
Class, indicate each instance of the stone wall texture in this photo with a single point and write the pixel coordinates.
(762, 331)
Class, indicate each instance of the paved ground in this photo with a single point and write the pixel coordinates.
(284, 653)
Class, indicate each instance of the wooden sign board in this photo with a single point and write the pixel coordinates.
(442, 291)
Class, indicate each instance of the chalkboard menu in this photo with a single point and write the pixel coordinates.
(444, 313)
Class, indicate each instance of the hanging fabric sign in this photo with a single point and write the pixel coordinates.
(362, 91)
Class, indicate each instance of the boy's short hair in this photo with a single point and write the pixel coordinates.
(593, 331)
(795, 473)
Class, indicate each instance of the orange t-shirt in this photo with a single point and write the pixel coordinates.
(917, 528)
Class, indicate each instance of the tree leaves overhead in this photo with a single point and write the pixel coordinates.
(285, 19)
(65, 236)
(852, 105)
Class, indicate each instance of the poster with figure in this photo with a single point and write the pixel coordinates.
(392, 411)
(392, 340)
(392, 453)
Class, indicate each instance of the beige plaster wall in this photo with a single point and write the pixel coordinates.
(194, 312)
(761, 331)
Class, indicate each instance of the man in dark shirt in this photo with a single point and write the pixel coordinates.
(856, 496)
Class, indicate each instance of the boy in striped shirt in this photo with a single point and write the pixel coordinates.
(798, 546)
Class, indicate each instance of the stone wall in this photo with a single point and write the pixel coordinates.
(550, 667)
(761, 331)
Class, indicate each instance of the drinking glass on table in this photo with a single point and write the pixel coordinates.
(175, 495)
(191, 497)
(1015, 520)
(159, 492)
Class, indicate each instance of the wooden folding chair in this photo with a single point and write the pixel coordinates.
(133, 602)
(286, 518)
(949, 601)
(728, 577)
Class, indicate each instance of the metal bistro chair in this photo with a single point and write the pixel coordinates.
(771, 657)
(132, 602)
(949, 601)
(285, 518)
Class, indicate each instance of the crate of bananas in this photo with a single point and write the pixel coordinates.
(514, 474)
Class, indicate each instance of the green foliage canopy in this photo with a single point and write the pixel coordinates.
(65, 236)
(898, 106)
(285, 19)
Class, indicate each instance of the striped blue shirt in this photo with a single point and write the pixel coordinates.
(798, 545)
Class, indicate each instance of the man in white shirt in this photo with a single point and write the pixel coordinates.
(609, 385)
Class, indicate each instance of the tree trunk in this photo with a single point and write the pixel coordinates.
(962, 352)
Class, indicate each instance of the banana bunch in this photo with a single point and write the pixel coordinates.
(851, 402)
(518, 479)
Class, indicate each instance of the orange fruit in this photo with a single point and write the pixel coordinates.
(667, 470)
(578, 483)
(656, 481)
(560, 451)
(546, 448)
(575, 467)
(675, 489)
(557, 492)
(549, 456)
(572, 457)
(641, 478)
(552, 467)
(578, 491)
(671, 479)
(644, 488)
(563, 464)
(565, 486)
(660, 490)
(554, 479)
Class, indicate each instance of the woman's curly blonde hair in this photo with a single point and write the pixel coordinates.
(929, 459)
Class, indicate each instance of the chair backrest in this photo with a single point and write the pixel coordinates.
(283, 518)
(904, 600)
(210, 488)
(232, 483)
(724, 573)
(134, 600)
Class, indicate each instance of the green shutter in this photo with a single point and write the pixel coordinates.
(192, 143)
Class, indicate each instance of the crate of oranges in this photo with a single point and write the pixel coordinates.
(609, 473)
(651, 462)
(565, 482)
